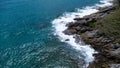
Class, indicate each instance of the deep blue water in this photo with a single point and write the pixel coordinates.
(26, 34)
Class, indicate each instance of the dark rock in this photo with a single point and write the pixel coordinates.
(75, 24)
(91, 20)
(104, 14)
(70, 31)
(105, 40)
(78, 28)
(109, 46)
(116, 46)
(91, 34)
(71, 24)
(84, 18)
(115, 53)
(105, 46)
(84, 29)
(107, 9)
(117, 2)
(87, 21)
(98, 15)
(77, 38)
(115, 66)
(67, 39)
(100, 38)
(78, 19)
(82, 22)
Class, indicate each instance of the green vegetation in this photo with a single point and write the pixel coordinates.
(92, 25)
(118, 41)
(110, 25)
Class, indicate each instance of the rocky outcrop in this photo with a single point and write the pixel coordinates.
(115, 53)
(109, 50)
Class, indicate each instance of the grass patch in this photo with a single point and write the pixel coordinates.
(92, 25)
(110, 25)
(118, 41)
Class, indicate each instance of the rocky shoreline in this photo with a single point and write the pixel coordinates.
(108, 49)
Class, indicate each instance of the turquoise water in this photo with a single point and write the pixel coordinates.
(26, 34)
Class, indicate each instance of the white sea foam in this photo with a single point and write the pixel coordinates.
(59, 25)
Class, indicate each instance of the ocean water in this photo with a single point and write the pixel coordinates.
(31, 33)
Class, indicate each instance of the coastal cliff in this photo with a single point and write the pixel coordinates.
(102, 31)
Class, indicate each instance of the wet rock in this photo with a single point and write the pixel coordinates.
(78, 19)
(70, 31)
(67, 39)
(71, 24)
(75, 24)
(82, 22)
(77, 38)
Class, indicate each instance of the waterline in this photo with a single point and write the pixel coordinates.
(59, 24)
